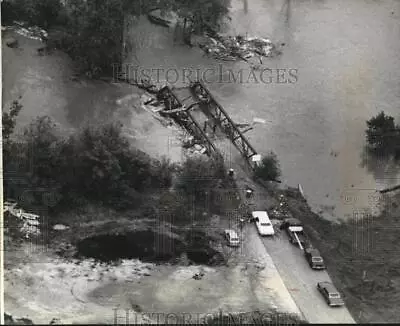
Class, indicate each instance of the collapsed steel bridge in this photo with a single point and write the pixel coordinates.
(183, 99)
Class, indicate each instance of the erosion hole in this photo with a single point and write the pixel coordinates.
(144, 245)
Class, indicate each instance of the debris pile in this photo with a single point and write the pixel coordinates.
(198, 276)
(238, 47)
(33, 32)
(29, 223)
(196, 149)
(157, 108)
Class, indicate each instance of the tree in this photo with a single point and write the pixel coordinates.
(107, 168)
(202, 179)
(382, 133)
(42, 144)
(269, 169)
(13, 154)
(9, 119)
(42, 13)
(202, 15)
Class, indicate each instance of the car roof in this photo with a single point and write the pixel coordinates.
(329, 286)
(260, 214)
(293, 221)
(232, 233)
(314, 252)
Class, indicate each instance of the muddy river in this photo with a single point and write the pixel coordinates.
(345, 55)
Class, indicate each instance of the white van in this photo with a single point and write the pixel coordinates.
(263, 223)
(232, 238)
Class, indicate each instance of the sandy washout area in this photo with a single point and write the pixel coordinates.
(41, 286)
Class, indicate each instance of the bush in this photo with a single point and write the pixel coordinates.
(96, 164)
(174, 207)
(382, 133)
(162, 172)
(199, 176)
(202, 179)
(42, 13)
(9, 119)
(269, 169)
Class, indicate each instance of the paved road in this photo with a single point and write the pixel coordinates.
(301, 281)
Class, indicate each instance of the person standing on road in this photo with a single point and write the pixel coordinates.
(241, 223)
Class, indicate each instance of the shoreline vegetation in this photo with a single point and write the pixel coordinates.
(368, 276)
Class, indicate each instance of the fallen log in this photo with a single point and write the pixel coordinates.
(152, 89)
(150, 101)
(174, 111)
(158, 20)
(242, 125)
(389, 189)
(246, 130)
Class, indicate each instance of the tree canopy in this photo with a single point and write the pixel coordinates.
(92, 31)
(382, 133)
(269, 169)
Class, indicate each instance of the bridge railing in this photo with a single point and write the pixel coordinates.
(221, 117)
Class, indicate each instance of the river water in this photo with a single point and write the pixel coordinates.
(345, 54)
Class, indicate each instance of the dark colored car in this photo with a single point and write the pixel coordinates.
(314, 258)
(330, 294)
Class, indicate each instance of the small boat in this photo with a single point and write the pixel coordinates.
(158, 20)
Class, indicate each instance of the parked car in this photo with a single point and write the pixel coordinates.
(330, 294)
(296, 234)
(263, 223)
(291, 221)
(314, 258)
(232, 238)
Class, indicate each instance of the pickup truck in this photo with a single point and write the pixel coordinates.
(296, 235)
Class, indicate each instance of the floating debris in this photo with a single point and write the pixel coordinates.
(60, 227)
(230, 48)
(259, 120)
(30, 222)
